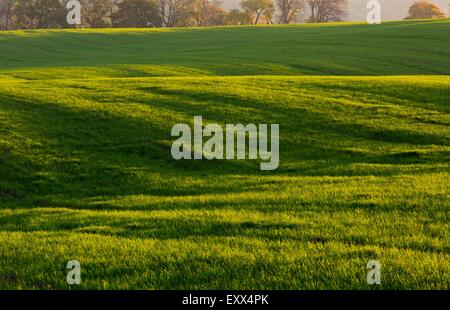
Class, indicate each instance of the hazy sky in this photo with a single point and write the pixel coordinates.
(391, 9)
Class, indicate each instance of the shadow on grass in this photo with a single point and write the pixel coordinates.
(85, 153)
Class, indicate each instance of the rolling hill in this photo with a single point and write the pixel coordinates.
(86, 171)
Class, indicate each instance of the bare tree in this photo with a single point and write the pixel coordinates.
(205, 12)
(6, 13)
(289, 10)
(323, 11)
(171, 11)
(258, 8)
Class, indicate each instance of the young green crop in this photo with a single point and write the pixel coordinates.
(87, 174)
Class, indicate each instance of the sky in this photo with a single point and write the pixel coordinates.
(390, 9)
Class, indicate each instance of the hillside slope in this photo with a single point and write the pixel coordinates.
(86, 171)
(394, 48)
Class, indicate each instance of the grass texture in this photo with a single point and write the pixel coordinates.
(86, 171)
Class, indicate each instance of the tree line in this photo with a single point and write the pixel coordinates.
(38, 14)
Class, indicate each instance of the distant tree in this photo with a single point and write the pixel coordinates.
(219, 17)
(40, 14)
(424, 9)
(97, 13)
(323, 11)
(257, 9)
(237, 17)
(205, 12)
(172, 11)
(289, 10)
(136, 13)
(6, 13)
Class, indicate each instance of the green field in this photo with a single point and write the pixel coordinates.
(86, 171)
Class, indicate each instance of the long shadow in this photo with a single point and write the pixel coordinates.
(92, 167)
(435, 99)
(178, 228)
(98, 153)
(305, 118)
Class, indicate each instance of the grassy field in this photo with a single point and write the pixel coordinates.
(86, 171)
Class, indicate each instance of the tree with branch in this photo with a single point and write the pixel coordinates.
(171, 11)
(323, 11)
(257, 9)
(6, 13)
(289, 10)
